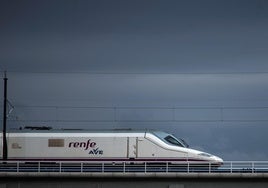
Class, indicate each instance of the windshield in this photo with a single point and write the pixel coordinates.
(184, 143)
(172, 140)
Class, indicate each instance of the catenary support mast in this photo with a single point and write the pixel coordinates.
(5, 119)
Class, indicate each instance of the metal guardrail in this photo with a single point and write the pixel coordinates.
(127, 167)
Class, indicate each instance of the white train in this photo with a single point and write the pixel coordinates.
(116, 145)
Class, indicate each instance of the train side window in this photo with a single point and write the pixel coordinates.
(173, 141)
(55, 142)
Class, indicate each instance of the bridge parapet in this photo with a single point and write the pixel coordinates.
(235, 168)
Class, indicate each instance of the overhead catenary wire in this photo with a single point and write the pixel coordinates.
(116, 109)
(127, 114)
(140, 72)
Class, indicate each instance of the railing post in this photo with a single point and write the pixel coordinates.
(145, 167)
(167, 167)
(102, 168)
(18, 166)
(81, 170)
(124, 167)
(231, 167)
(252, 166)
(209, 168)
(188, 167)
(60, 166)
(39, 166)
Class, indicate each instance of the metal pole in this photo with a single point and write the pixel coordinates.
(5, 119)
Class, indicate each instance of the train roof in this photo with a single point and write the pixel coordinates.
(44, 130)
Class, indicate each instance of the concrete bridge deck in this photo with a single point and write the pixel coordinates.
(132, 180)
(134, 175)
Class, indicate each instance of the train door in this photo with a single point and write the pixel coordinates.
(132, 147)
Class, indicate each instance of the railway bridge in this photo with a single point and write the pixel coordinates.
(18, 174)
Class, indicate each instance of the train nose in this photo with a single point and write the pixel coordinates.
(218, 160)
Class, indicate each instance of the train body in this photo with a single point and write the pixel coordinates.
(126, 145)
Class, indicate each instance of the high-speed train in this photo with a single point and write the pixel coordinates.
(113, 145)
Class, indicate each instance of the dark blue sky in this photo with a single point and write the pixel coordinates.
(134, 36)
(197, 69)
